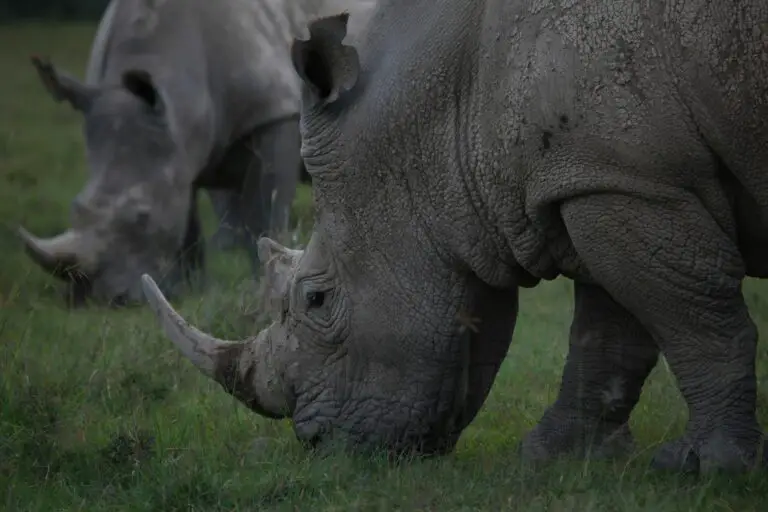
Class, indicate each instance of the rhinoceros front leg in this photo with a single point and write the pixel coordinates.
(282, 146)
(226, 206)
(674, 268)
(609, 357)
(192, 253)
(270, 183)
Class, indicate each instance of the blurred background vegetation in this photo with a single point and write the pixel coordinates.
(54, 10)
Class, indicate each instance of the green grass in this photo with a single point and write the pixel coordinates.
(98, 411)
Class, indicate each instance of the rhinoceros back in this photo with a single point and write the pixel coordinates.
(236, 52)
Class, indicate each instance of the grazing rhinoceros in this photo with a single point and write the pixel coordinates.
(179, 95)
(463, 149)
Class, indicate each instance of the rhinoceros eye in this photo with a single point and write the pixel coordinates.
(315, 299)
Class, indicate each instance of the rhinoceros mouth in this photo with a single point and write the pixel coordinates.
(77, 292)
(394, 449)
(328, 435)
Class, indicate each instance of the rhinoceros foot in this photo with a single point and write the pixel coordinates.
(570, 435)
(718, 452)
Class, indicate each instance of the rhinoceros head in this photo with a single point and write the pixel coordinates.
(380, 338)
(135, 209)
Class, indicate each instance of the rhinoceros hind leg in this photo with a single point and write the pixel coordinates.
(674, 267)
(609, 358)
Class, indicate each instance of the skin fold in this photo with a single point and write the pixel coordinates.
(459, 150)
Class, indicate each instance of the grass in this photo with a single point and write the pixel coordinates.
(98, 411)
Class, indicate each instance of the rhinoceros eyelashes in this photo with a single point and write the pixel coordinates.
(314, 299)
(319, 309)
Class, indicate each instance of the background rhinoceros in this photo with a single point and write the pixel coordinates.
(231, 231)
(179, 95)
(461, 149)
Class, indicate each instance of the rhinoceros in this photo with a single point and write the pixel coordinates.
(179, 95)
(460, 150)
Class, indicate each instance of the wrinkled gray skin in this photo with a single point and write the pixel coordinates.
(179, 95)
(464, 149)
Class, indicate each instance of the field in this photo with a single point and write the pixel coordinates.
(98, 411)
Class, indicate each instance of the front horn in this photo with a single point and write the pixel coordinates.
(200, 348)
(245, 369)
(58, 255)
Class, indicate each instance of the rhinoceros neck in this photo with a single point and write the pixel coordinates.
(416, 108)
(448, 91)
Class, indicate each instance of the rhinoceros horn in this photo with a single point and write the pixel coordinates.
(244, 369)
(59, 255)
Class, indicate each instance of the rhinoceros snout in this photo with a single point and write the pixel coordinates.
(315, 433)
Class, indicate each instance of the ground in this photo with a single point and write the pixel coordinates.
(99, 411)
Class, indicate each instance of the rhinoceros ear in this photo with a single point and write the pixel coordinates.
(141, 85)
(327, 66)
(62, 86)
